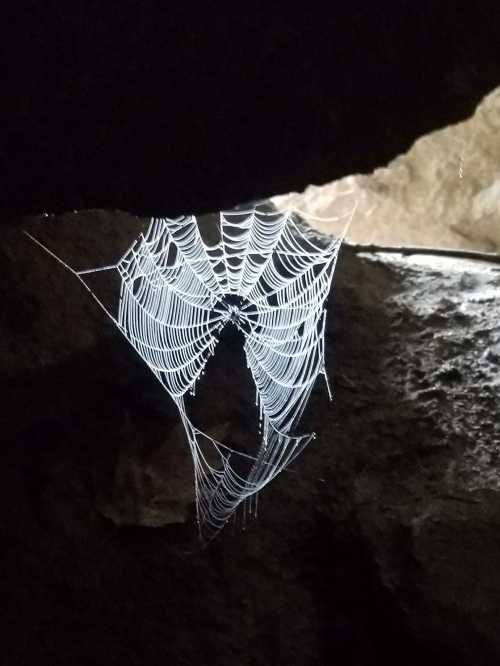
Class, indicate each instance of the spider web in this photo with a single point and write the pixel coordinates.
(267, 277)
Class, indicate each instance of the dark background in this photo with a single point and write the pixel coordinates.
(188, 109)
(198, 107)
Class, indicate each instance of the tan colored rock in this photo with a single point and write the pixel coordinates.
(444, 192)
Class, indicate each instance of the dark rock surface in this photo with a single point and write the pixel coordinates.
(380, 546)
(173, 107)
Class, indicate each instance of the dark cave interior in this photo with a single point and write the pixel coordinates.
(197, 108)
(137, 107)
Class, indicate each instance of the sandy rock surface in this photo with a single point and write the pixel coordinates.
(444, 192)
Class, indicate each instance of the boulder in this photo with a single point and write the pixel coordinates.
(444, 192)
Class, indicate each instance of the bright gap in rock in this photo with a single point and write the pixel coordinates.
(444, 192)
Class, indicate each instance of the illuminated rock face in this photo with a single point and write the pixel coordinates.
(390, 519)
(445, 191)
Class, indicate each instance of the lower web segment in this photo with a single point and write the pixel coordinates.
(219, 485)
(270, 279)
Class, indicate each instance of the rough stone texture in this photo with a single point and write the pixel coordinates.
(445, 191)
(424, 466)
(380, 546)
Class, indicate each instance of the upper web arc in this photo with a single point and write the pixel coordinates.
(262, 240)
(187, 237)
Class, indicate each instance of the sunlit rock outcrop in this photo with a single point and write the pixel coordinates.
(445, 191)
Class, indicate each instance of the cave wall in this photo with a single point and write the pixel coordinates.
(161, 109)
(444, 192)
(379, 545)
